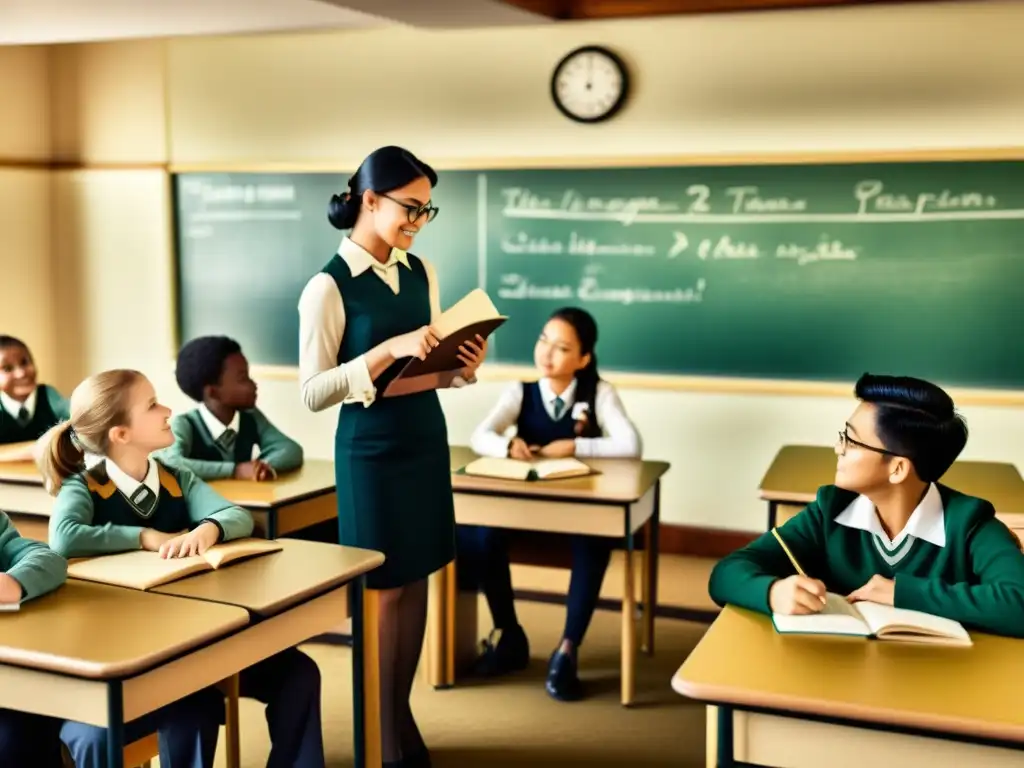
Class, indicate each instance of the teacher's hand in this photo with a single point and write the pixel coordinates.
(472, 355)
(416, 343)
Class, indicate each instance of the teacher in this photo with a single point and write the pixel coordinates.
(360, 319)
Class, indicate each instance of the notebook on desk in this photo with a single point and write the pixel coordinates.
(881, 622)
(145, 570)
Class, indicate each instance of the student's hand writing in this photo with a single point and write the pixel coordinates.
(878, 590)
(416, 343)
(253, 470)
(472, 355)
(559, 449)
(10, 589)
(797, 595)
(196, 542)
(518, 449)
(151, 540)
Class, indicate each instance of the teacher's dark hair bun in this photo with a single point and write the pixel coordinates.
(383, 170)
(916, 419)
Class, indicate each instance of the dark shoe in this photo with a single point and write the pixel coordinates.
(510, 652)
(562, 683)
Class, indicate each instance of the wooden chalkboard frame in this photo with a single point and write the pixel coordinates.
(663, 382)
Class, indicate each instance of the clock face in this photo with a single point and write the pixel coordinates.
(590, 84)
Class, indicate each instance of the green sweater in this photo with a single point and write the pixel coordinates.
(193, 442)
(92, 517)
(977, 578)
(31, 563)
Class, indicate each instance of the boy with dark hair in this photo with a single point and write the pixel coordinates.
(887, 532)
(226, 436)
(27, 409)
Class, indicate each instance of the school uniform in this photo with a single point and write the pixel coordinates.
(211, 449)
(542, 417)
(27, 421)
(953, 559)
(103, 511)
(391, 453)
(28, 739)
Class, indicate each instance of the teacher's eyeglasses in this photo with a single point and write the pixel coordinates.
(845, 441)
(416, 212)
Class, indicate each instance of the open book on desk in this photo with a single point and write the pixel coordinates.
(473, 315)
(515, 469)
(144, 570)
(882, 622)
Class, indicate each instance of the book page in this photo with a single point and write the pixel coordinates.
(9, 607)
(837, 618)
(507, 469)
(551, 468)
(228, 552)
(887, 621)
(137, 570)
(471, 308)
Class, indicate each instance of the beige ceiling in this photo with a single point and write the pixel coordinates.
(60, 21)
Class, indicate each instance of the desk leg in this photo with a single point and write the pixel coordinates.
(365, 676)
(437, 622)
(115, 724)
(773, 509)
(628, 626)
(650, 576)
(725, 742)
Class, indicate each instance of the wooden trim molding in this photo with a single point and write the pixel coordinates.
(50, 164)
(578, 10)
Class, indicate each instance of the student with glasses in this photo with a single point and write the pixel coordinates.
(887, 531)
(360, 319)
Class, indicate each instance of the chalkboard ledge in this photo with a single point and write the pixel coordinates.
(708, 384)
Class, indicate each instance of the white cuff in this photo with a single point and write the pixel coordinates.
(361, 389)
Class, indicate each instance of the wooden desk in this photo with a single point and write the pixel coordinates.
(306, 590)
(848, 698)
(293, 501)
(616, 503)
(105, 655)
(793, 479)
(20, 472)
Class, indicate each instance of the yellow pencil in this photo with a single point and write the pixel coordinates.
(775, 533)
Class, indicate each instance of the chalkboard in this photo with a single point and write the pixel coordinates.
(815, 272)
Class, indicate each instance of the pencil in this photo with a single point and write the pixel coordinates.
(775, 533)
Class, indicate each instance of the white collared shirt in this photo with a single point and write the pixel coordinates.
(927, 522)
(322, 326)
(13, 407)
(620, 438)
(128, 485)
(215, 425)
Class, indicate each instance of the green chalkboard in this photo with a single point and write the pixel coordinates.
(813, 272)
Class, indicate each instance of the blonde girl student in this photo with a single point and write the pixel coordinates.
(569, 411)
(128, 501)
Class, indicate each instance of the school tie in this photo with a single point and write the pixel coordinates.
(559, 405)
(23, 416)
(227, 439)
(144, 499)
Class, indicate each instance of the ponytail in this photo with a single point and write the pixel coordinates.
(587, 380)
(62, 456)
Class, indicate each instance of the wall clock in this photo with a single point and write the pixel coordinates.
(590, 84)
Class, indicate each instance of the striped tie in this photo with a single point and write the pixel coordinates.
(144, 500)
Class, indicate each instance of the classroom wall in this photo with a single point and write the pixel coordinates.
(876, 78)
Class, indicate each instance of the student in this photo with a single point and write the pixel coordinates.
(27, 409)
(130, 501)
(220, 437)
(570, 411)
(887, 532)
(360, 319)
(28, 569)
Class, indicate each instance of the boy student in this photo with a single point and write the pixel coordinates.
(226, 436)
(130, 501)
(887, 532)
(28, 569)
(27, 409)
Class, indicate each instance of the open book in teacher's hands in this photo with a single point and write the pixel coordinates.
(473, 315)
(882, 622)
(142, 569)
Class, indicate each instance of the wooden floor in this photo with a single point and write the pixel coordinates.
(512, 722)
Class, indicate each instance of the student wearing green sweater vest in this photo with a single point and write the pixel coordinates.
(131, 501)
(27, 408)
(226, 436)
(28, 569)
(887, 532)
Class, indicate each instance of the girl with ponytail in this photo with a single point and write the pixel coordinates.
(569, 411)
